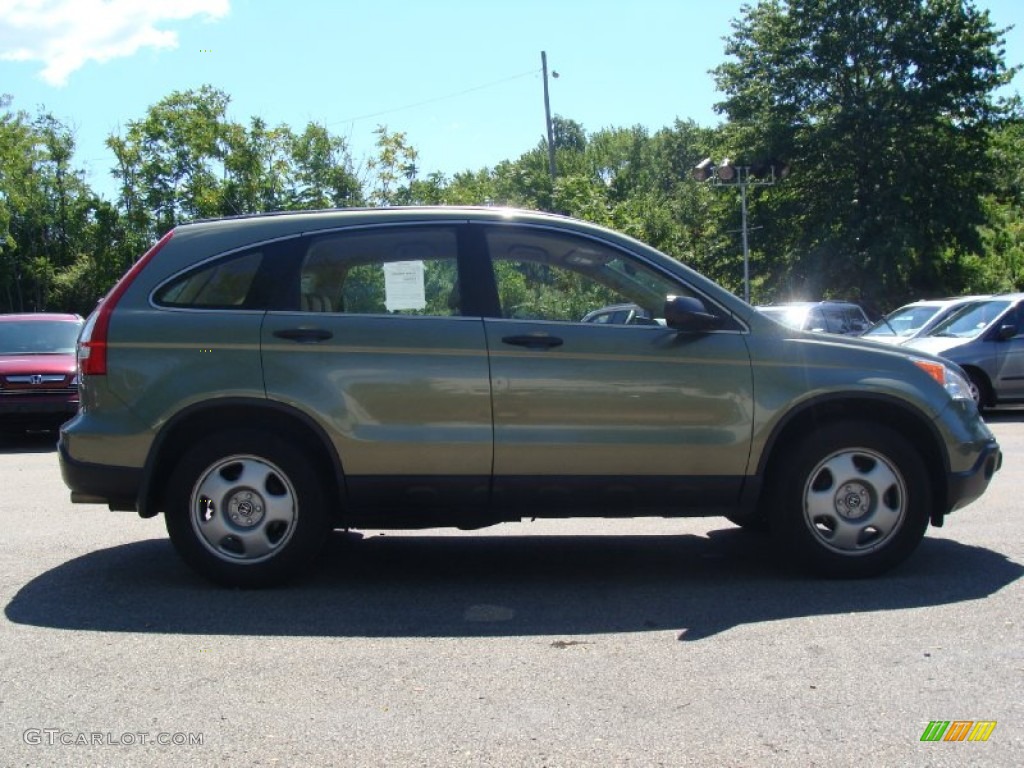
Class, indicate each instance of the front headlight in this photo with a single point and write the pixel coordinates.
(950, 378)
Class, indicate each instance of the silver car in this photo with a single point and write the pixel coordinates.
(985, 339)
(916, 319)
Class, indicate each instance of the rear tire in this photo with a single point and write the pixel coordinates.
(246, 509)
(854, 502)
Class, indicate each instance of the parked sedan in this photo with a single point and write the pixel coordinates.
(984, 338)
(916, 319)
(38, 381)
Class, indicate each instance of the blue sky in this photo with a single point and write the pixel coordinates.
(460, 78)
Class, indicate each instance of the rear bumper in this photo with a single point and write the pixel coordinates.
(964, 487)
(117, 487)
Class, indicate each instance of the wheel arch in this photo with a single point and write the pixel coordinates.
(916, 426)
(211, 417)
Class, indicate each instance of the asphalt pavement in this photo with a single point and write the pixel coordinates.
(553, 643)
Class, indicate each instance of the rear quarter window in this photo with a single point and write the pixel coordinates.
(225, 284)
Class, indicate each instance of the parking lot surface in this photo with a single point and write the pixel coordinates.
(554, 643)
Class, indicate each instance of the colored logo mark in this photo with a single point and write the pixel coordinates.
(958, 730)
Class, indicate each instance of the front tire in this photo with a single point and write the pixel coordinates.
(246, 509)
(854, 502)
(981, 390)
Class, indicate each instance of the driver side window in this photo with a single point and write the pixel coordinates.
(556, 277)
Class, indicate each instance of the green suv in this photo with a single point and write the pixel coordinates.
(263, 380)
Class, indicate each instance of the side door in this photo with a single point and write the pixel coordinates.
(1008, 370)
(594, 418)
(373, 345)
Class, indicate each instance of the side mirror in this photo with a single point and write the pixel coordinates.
(686, 313)
(1006, 331)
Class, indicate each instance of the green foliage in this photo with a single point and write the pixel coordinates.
(884, 111)
(907, 173)
(393, 168)
(187, 160)
(47, 213)
(322, 169)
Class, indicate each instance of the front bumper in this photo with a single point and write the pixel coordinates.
(964, 487)
(23, 407)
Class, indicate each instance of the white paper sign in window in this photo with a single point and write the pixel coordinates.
(404, 285)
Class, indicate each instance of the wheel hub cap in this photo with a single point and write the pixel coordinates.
(246, 508)
(853, 501)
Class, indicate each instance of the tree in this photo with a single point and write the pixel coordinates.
(256, 168)
(1002, 235)
(393, 168)
(323, 170)
(47, 212)
(884, 110)
(17, 172)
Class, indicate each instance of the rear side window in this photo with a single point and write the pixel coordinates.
(393, 270)
(225, 284)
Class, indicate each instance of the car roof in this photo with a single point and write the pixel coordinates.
(19, 317)
(396, 212)
(946, 301)
(808, 303)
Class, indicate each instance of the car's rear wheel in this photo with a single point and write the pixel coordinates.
(854, 501)
(246, 509)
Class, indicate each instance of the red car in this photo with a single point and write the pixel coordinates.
(38, 377)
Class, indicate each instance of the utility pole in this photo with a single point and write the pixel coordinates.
(547, 115)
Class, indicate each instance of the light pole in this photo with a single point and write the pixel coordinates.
(742, 176)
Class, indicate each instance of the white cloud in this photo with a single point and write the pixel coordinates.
(65, 34)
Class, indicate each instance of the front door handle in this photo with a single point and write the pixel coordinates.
(534, 342)
(304, 335)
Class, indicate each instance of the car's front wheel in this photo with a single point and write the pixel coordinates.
(854, 501)
(981, 390)
(246, 509)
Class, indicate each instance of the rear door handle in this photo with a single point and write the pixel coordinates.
(534, 342)
(304, 335)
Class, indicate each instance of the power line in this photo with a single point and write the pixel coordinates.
(435, 99)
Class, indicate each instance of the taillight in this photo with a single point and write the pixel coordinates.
(92, 344)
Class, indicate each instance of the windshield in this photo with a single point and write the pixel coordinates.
(971, 320)
(903, 322)
(38, 337)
